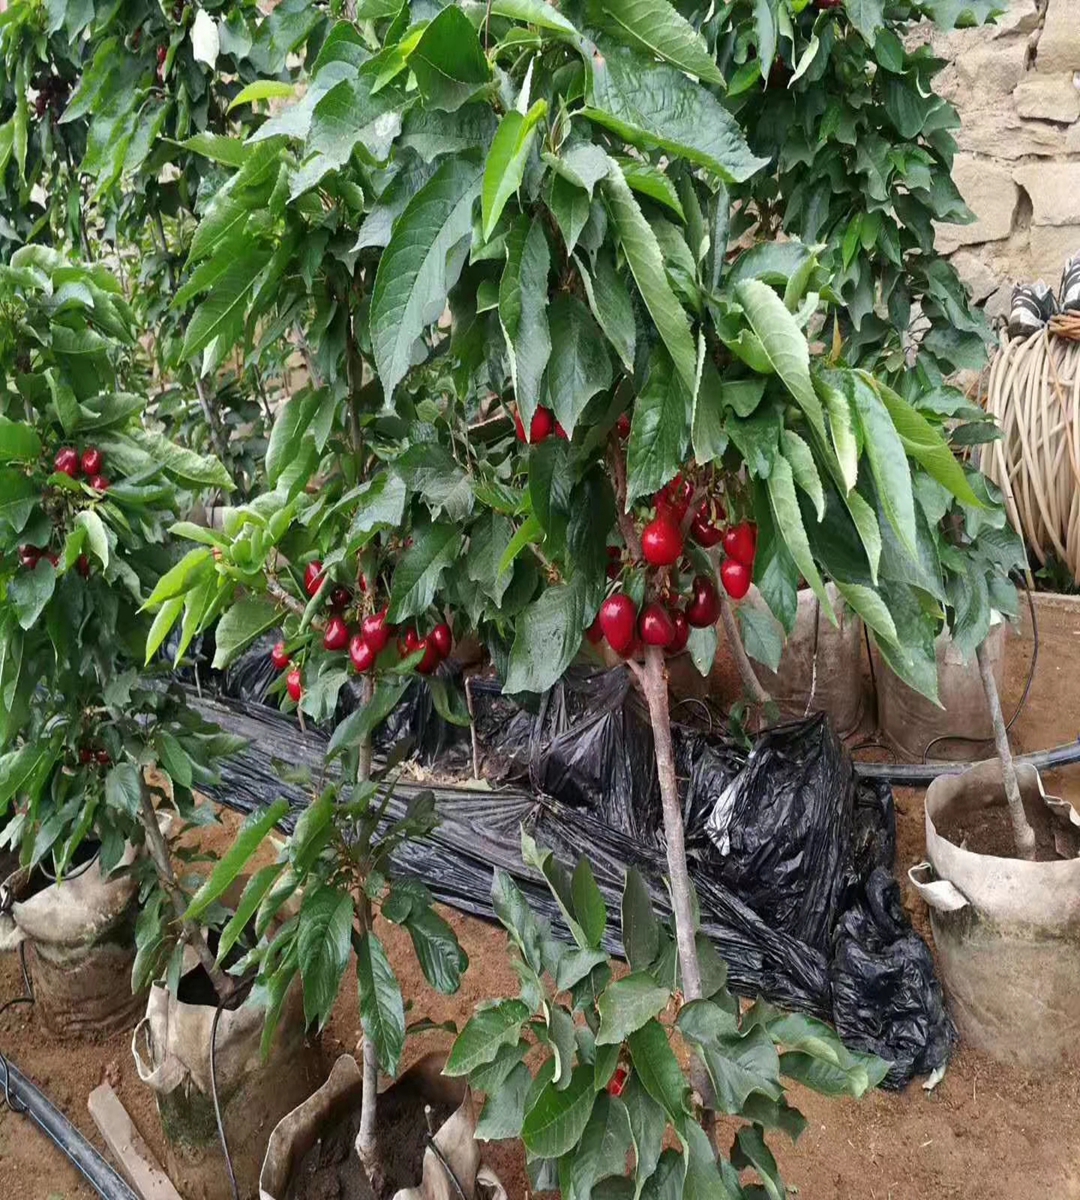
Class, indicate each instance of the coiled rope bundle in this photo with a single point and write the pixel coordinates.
(1034, 392)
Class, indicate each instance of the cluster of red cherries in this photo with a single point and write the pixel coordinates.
(365, 644)
(663, 622)
(70, 462)
(541, 427)
(88, 755)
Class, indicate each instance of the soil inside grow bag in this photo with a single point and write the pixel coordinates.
(989, 831)
(331, 1169)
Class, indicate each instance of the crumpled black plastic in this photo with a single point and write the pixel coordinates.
(789, 852)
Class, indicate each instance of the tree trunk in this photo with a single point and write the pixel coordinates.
(654, 685)
(1022, 831)
(191, 932)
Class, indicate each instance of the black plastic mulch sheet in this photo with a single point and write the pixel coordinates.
(790, 854)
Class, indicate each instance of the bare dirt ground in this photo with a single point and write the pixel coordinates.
(986, 1131)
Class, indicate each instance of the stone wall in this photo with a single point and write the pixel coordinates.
(1016, 86)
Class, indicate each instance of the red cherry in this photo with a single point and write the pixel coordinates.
(661, 542)
(162, 54)
(673, 499)
(67, 462)
(735, 576)
(86, 755)
(704, 607)
(542, 426)
(442, 638)
(519, 428)
(99, 483)
(618, 1081)
(102, 758)
(92, 461)
(313, 574)
(740, 543)
(376, 631)
(656, 626)
(28, 556)
(623, 425)
(82, 565)
(412, 641)
(340, 598)
(618, 620)
(431, 656)
(336, 634)
(294, 685)
(560, 432)
(702, 530)
(52, 557)
(682, 632)
(279, 657)
(614, 567)
(595, 633)
(362, 653)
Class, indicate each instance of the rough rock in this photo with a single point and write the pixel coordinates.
(1054, 189)
(1048, 97)
(1059, 43)
(991, 195)
(1000, 303)
(975, 275)
(996, 68)
(1049, 249)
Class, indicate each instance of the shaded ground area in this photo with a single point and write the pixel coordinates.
(986, 1131)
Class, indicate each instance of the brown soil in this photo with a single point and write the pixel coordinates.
(990, 832)
(988, 1131)
(331, 1171)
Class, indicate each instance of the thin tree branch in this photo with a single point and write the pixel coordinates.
(213, 419)
(1022, 831)
(190, 931)
(617, 467)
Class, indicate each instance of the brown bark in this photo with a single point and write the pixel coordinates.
(1022, 831)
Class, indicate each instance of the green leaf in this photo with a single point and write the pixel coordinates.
(647, 1124)
(362, 722)
(925, 444)
(653, 105)
(437, 949)
(661, 31)
(659, 1071)
(123, 789)
(417, 574)
(412, 280)
(702, 647)
(738, 1063)
(489, 539)
(627, 1004)
(523, 299)
(262, 89)
(652, 182)
(18, 442)
(829, 1079)
(765, 31)
(610, 302)
(788, 519)
(604, 1147)
(449, 62)
(165, 618)
(431, 470)
(30, 591)
(254, 891)
(324, 944)
(554, 1124)
(249, 838)
(18, 498)
(484, 1035)
(803, 467)
(579, 366)
(762, 635)
(842, 429)
(96, 536)
(704, 1180)
(504, 1109)
(220, 318)
(249, 618)
(534, 12)
(640, 928)
(660, 430)
(646, 263)
(382, 1010)
(589, 907)
(379, 502)
(870, 606)
(546, 639)
(888, 462)
(230, 152)
(784, 345)
(868, 17)
(506, 161)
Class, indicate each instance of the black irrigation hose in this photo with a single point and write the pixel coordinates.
(921, 774)
(52, 1122)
